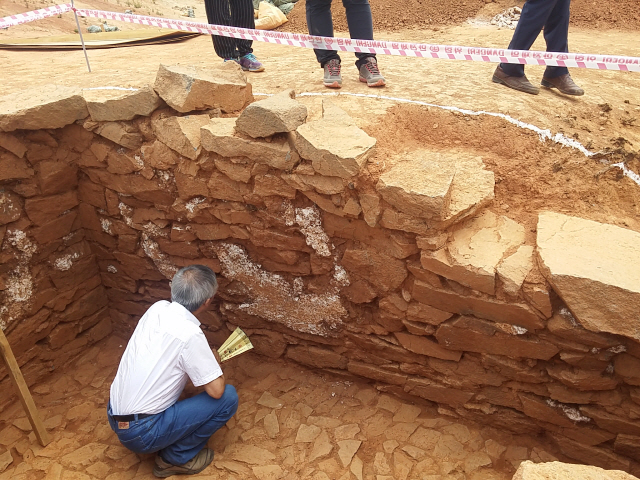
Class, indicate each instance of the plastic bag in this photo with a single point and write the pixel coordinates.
(269, 17)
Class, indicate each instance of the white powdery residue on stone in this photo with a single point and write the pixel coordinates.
(66, 262)
(571, 413)
(66, 238)
(618, 349)
(511, 329)
(127, 212)
(609, 369)
(275, 299)
(138, 161)
(311, 227)
(20, 285)
(154, 230)
(152, 250)
(289, 213)
(106, 225)
(298, 286)
(595, 350)
(340, 276)
(18, 239)
(566, 313)
(112, 269)
(191, 204)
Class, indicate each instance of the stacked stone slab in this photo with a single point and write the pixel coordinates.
(407, 278)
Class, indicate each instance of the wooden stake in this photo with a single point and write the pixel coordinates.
(23, 391)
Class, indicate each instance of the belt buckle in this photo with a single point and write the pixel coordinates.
(123, 425)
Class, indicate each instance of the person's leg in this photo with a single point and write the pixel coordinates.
(219, 13)
(556, 34)
(360, 24)
(189, 424)
(242, 16)
(320, 23)
(535, 14)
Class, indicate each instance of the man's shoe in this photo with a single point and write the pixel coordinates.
(250, 63)
(332, 77)
(564, 83)
(195, 465)
(517, 83)
(370, 74)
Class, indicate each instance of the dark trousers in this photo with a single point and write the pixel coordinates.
(320, 24)
(233, 13)
(553, 16)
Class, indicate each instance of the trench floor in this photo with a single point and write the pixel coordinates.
(292, 423)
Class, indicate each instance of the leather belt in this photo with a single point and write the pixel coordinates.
(131, 418)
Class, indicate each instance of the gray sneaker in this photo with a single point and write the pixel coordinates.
(332, 77)
(370, 74)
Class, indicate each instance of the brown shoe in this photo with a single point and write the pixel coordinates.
(195, 465)
(517, 83)
(564, 83)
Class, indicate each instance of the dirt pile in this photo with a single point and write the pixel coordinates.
(429, 14)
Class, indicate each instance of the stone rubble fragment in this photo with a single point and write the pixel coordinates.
(280, 113)
(111, 105)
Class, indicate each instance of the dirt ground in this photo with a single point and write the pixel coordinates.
(291, 423)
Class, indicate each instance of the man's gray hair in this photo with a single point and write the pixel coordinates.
(192, 286)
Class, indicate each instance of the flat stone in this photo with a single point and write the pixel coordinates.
(473, 254)
(494, 449)
(356, 467)
(186, 88)
(425, 346)
(321, 447)
(10, 207)
(307, 433)
(389, 272)
(6, 459)
(483, 306)
(269, 401)
(271, 425)
(414, 452)
(320, 183)
(388, 403)
(390, 445)
(418, 184)
(110, 105)
(370, 205)
(380, 465)
(122, 133)
(475, 461)
(402, 466)
(472, 188)
(401, 431)
(277, 114)
(336, 147)
(435, 392)
(346, 432)
(346, 450)
(628, 445)
(557, 470)
(219, 135)
(251, 454)
(475, 335)
(595, 268)
(268, 472)
(515, 268)
(42, 107)
(407, 413)
(85, 455)
(181, 134)
(12, 144)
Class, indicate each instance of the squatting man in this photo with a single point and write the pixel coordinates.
(167, 348)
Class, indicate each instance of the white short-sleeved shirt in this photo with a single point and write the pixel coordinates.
(166, 348)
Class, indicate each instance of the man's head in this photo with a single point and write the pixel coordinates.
(192, 286)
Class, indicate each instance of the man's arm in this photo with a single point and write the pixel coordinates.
(215, 388)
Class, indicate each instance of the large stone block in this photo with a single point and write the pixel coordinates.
(56, 177)
(435, 392)
(595, 268)
(44, 209)
(474, 251)
(335, 145)
(557, 470)
(182, 134)
(475, 335)
(47, 106)
(14, 168)
(123, 133)
(386, 273)
(219, 136)
(136, 185)
(443, 187)
(481, 306)
(187, 88)
(12, 144)
(110, 105)
(276, 114)
(425, 346)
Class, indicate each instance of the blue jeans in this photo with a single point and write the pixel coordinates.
(182, 430)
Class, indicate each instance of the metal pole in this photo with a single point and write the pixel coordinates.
(84, 49)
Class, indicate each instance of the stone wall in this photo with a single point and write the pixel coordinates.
(405, 277)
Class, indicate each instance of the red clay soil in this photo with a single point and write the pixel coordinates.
(390, 15)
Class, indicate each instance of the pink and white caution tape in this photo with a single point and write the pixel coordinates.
(448, 52)
(19, 18)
